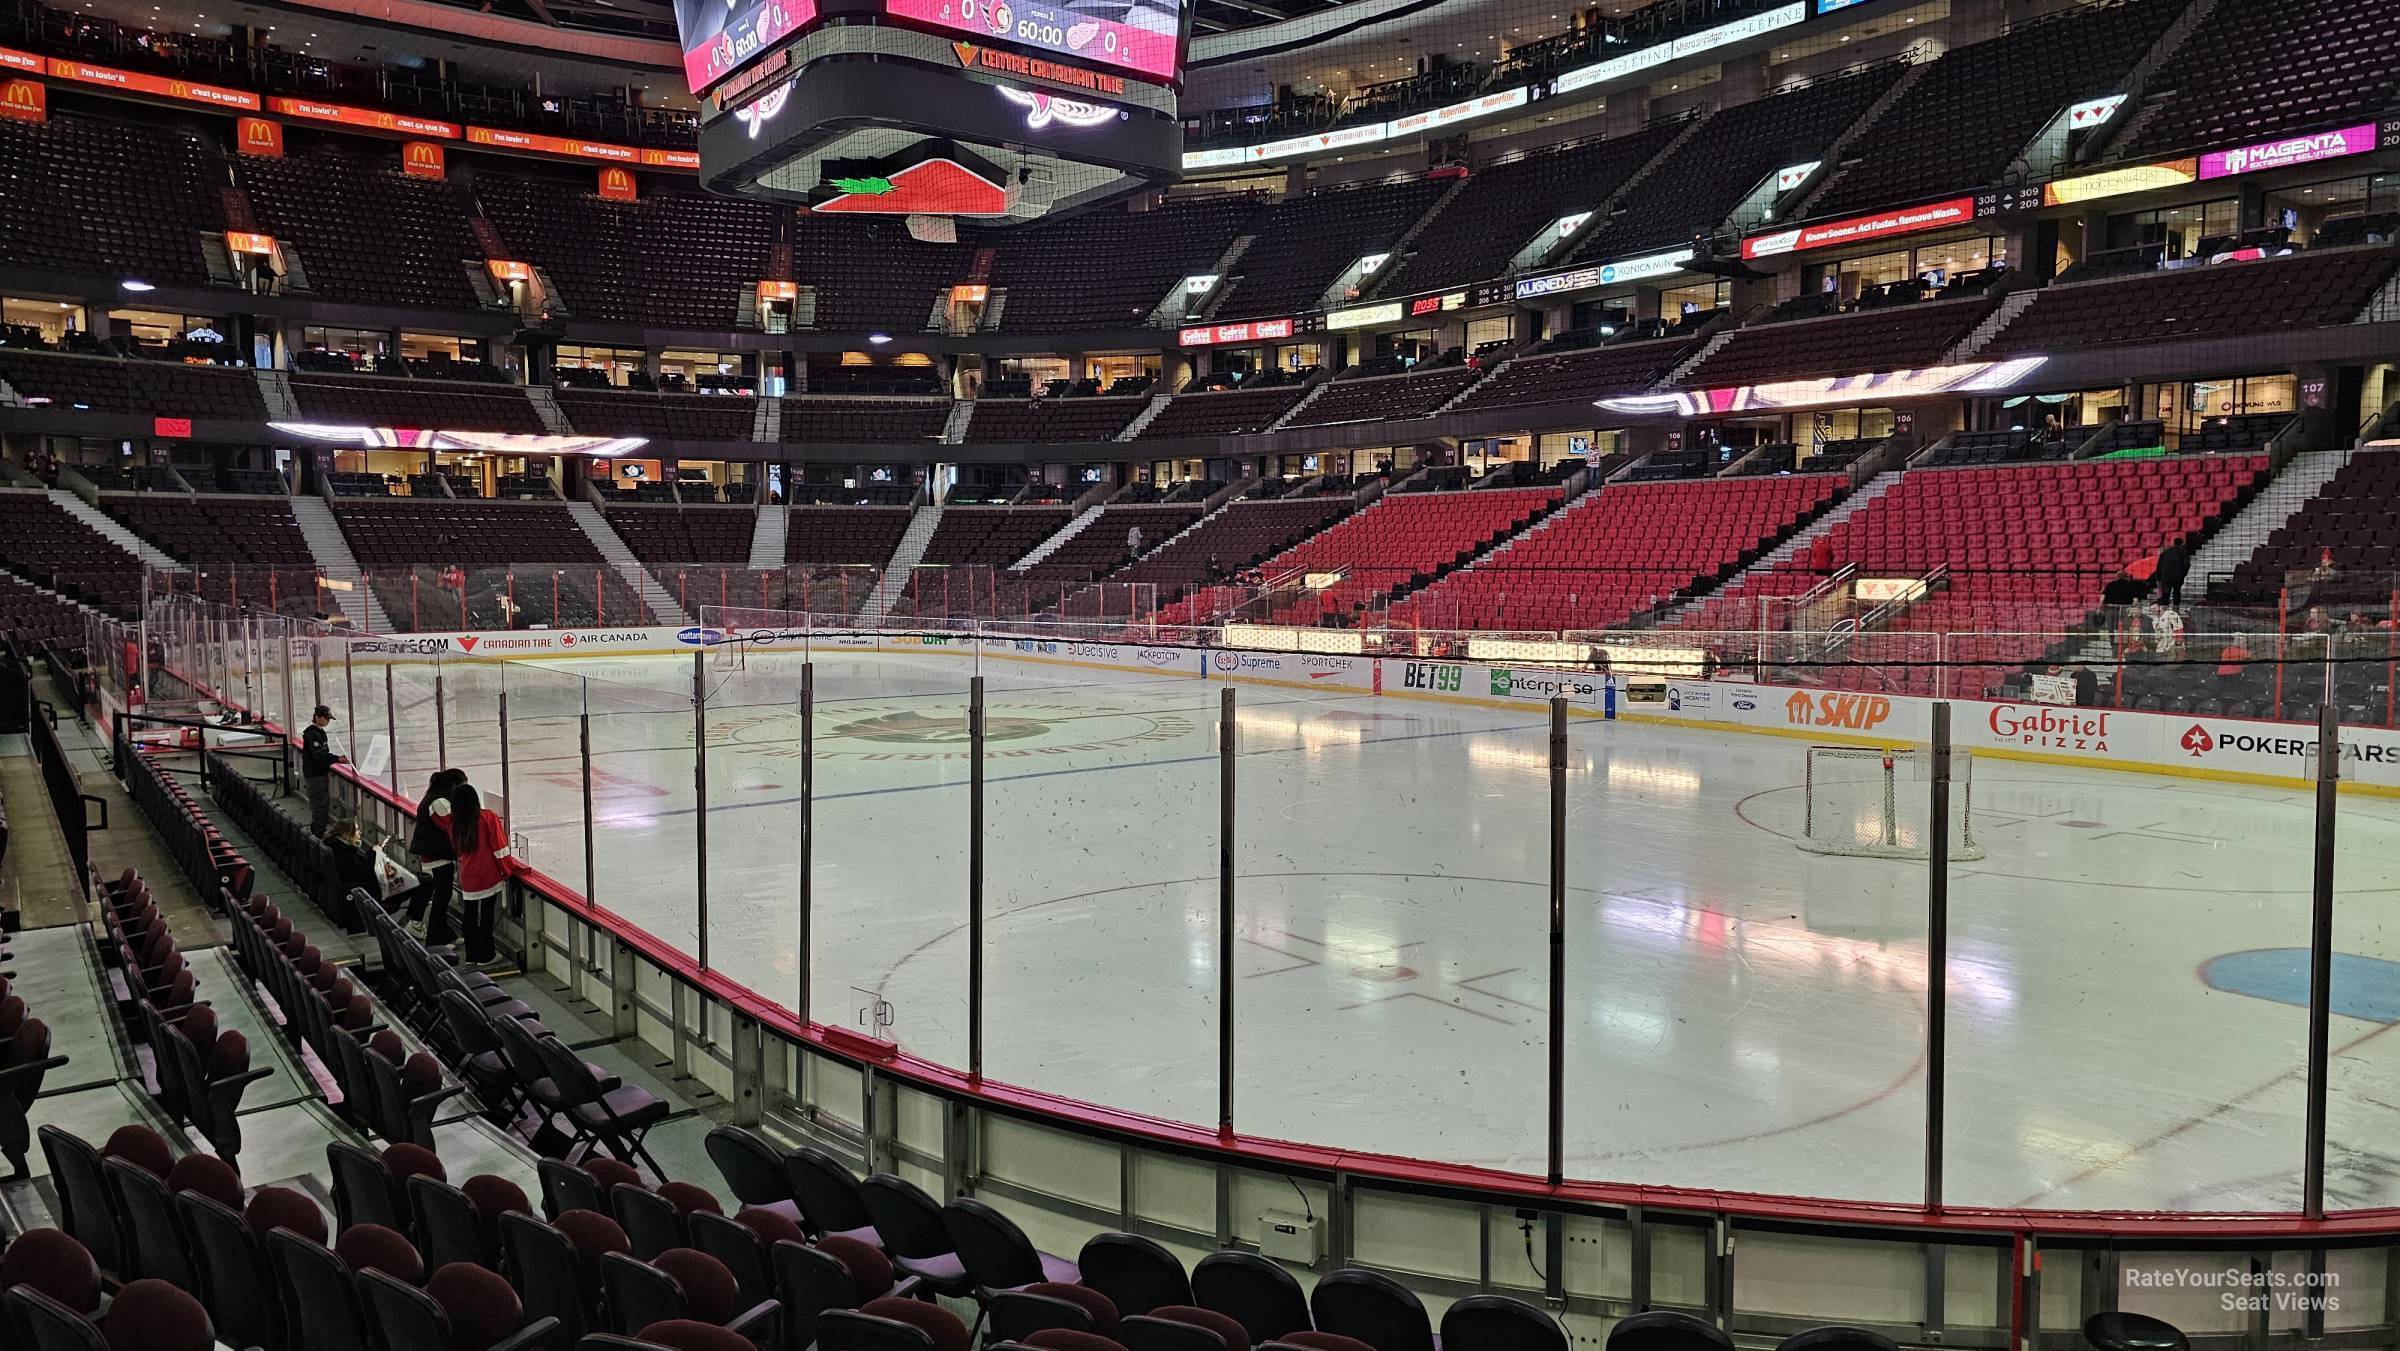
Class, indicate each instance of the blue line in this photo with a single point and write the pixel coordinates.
(1056, 773)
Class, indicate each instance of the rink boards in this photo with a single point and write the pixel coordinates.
(2226, 749)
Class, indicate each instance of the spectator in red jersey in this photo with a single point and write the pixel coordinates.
(484, 867)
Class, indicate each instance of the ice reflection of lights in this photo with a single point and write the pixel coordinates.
(1792, 949)
(2074, 1144)
(1636, 1027)
(1516, 757)
(1683, 785)
(1308, 731)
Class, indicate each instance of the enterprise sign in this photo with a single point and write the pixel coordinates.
(1606, 274)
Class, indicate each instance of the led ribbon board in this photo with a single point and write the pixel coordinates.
(1249, 330)
(2288, 152)
(1858, 229)
(1972, 377)
(489, 443)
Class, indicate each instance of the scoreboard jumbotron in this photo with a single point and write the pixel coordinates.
(996, 110)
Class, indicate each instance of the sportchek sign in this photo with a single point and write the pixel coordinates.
(1907, 220)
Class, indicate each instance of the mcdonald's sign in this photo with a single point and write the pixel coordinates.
(617, 184)
(784, 291)
(366, 119)
(24, 101)
(505, 270)
(423, 159)
(246, 241)
(261, 136)
(154, 86)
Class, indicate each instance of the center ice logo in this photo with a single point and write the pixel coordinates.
(916, 729)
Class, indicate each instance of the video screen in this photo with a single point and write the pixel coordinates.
(1135, 37)
(722, 36)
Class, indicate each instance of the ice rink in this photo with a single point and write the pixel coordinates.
(2128, 967)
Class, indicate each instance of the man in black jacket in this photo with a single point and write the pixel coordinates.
(316, 769)
(2174, 564)
(437, 858)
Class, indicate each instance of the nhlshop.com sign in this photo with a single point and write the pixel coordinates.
(504, 643)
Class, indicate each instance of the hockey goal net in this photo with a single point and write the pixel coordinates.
(1877, 802)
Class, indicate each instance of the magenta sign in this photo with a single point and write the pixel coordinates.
(2291, 150)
